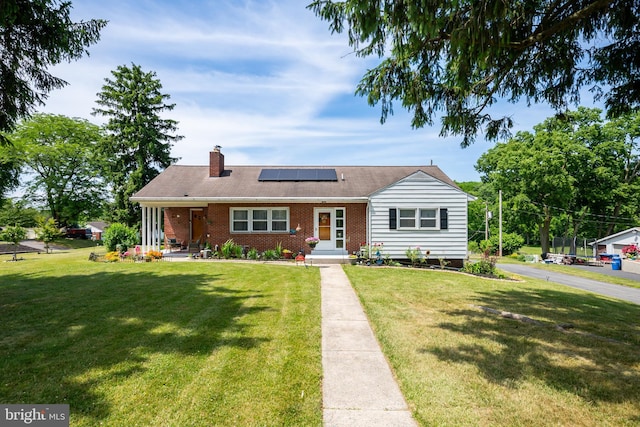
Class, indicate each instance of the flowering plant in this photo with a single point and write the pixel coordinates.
(415, 255)
(312, 241)
(630, 251)
(154, 254)
(112, 256)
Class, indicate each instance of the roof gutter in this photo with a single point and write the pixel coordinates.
(190, 201)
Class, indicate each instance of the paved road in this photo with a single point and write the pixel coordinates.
(608, 289)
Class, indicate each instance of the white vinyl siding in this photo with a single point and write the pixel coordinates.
(429, 214)
(259, 220)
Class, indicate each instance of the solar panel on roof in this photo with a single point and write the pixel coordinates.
(287, 174)
(268, 175)
(298, 175)
(327, 175)
(307, 175)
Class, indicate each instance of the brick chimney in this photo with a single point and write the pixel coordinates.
(216, 162)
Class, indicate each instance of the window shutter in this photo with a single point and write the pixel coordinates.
(393, 219)
(444, 219)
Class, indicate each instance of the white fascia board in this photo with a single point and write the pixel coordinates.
(204, 201)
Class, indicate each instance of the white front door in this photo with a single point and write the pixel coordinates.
(329, 227)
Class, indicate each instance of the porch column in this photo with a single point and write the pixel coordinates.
(151, 229)
(143, 228)
(156, 229)
(146, 247)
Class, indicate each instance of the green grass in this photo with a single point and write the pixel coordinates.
(76, 243)
(170, 343)
(458, 365)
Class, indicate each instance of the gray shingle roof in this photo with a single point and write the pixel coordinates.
(241, 182)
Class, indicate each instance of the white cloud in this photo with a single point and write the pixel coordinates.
(264, 79)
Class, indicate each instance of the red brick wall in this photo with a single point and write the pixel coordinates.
(216, 163)
(176, 225)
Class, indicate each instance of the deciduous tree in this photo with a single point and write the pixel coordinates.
(18, 213)
(13, 234)
(576, 168)
(458, 58)
(60, 154)
(47, 231)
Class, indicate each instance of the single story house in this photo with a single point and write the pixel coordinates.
(97, 228)
(392, 207)
(614, 243)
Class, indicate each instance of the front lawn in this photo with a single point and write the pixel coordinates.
(459, 365)
(170, 343)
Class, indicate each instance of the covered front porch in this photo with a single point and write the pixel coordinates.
(151, 232)
(188, 228)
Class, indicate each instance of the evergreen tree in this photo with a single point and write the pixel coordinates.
(139, 140)
(35, 34)
(460, 57)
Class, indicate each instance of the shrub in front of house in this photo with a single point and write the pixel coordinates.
(486, 266)
(227, 249)
(511, 242)
(119, 235)
(253, 254)
(270, 255)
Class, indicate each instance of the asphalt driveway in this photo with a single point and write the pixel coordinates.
(608, 289)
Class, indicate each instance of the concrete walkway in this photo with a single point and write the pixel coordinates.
(358, 386)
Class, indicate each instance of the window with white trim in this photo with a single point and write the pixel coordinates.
(428, 218)
(417, 219)
(259, 220)
(407, 218)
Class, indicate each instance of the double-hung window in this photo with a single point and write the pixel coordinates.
(240, 220)
(418, 218)
(428, 218)
(407, 218)
(259, 220)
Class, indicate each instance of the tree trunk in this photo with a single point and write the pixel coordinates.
(544, 230)
(612, 223)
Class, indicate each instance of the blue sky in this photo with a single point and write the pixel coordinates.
(265, 80)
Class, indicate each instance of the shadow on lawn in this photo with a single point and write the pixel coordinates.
(601, 367)
(72, 337)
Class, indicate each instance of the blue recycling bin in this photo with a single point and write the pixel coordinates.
(616, 262)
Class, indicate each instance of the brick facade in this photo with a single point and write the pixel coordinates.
(177, 225)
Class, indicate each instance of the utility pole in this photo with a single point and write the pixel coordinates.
(486, 221)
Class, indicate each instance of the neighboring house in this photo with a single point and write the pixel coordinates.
(97, 228)
(614, 243)
(344, 206)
